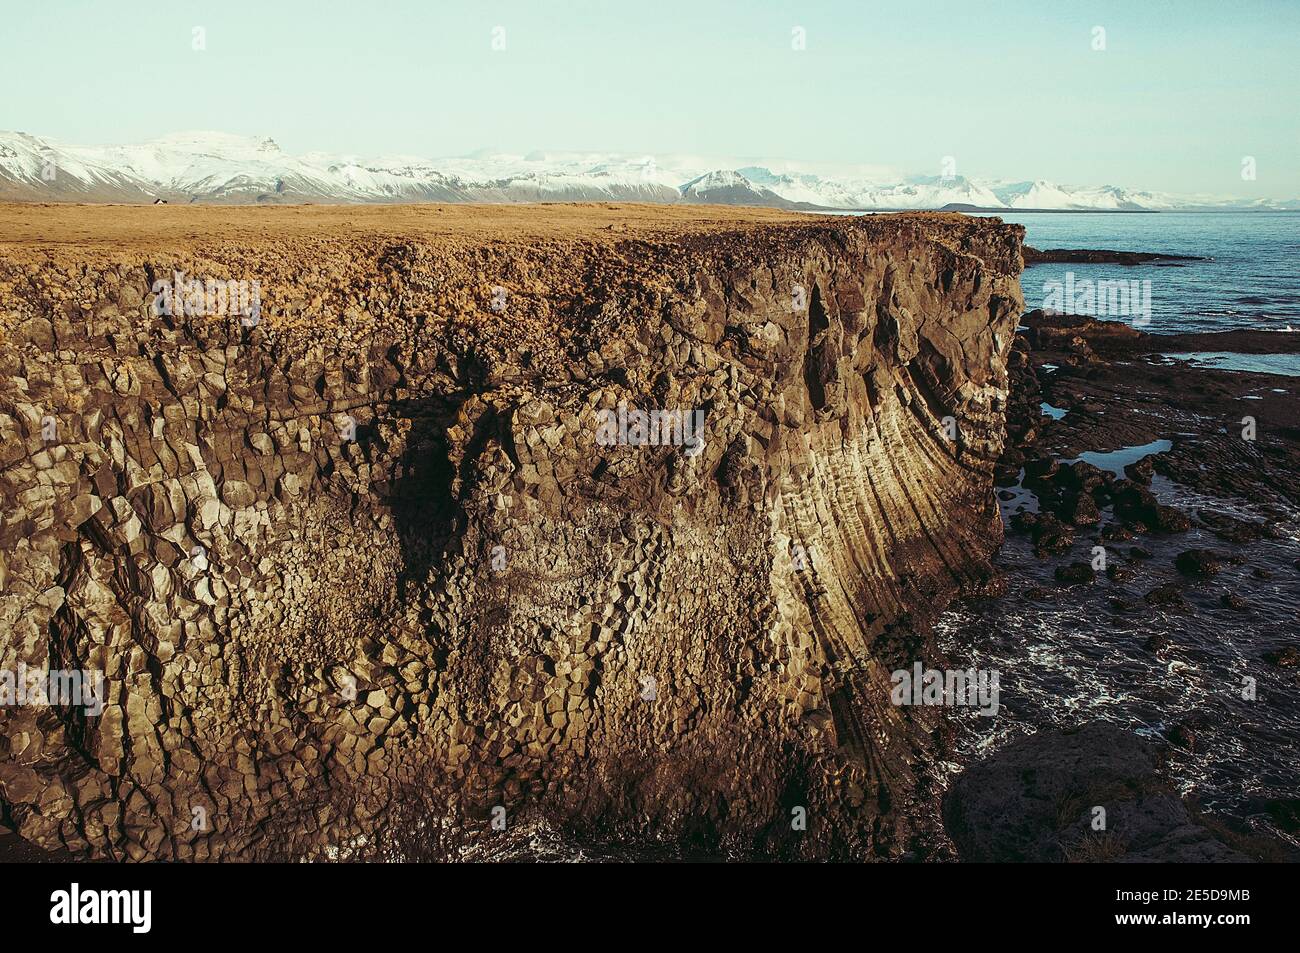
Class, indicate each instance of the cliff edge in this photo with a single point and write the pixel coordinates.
(374, 521)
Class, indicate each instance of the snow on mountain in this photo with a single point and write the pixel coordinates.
(934, 191)
(812, 189)
(219, 167)
(1037, 194)
(717, 179)
(724, 187)
(34, 168)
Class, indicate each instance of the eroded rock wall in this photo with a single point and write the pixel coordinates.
(365, 556)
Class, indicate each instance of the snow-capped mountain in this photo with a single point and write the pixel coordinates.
(721, 187)
(934, 191)
(1039, 194)
(214, 167)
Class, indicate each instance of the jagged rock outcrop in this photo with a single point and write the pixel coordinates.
(363, 550)
(1084, 796)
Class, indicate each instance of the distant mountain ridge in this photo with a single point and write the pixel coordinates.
(214, 167)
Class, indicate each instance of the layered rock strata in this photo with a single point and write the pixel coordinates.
(358, 563)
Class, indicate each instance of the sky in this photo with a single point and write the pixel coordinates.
(1173, 95)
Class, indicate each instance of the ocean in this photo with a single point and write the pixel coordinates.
(1252, 280)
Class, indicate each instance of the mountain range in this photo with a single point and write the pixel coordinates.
(213, 167)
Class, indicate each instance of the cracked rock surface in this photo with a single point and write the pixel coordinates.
(363, 557)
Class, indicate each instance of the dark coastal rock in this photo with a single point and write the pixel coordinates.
(1120, 396)
(1011, 457)
(1157, 643)
(1098, 256)
(1116, 533)
(1081, 510)
(1042, 468)
(1120, 573)
(1037, 798)
(1222, 464)
(1142, 471)
(1005, 476)
(1025, 522)
(1133, 502)
(1230, 600)
(1027, 435)
(1286, 657)
(1081, 476)
(1054, 331)
(1078, 346)
(1198, 562)
(1167, 594)
(1285, 813)
(1139, 509)
(995, 586)
(1075, 574)
(1234, 529)
(1130, 495)
(1146, 396)
(1184, 735)
(1236, 341)
(1051, 537)
(1169, 519)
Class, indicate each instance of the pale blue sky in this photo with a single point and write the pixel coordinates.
(1011, 89)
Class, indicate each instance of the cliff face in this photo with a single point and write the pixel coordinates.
(366, 556)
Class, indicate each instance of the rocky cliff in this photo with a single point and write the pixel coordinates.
(372, 559)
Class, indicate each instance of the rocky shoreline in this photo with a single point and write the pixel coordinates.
(1118, 389)
(1160, 577)
(1098, 256)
